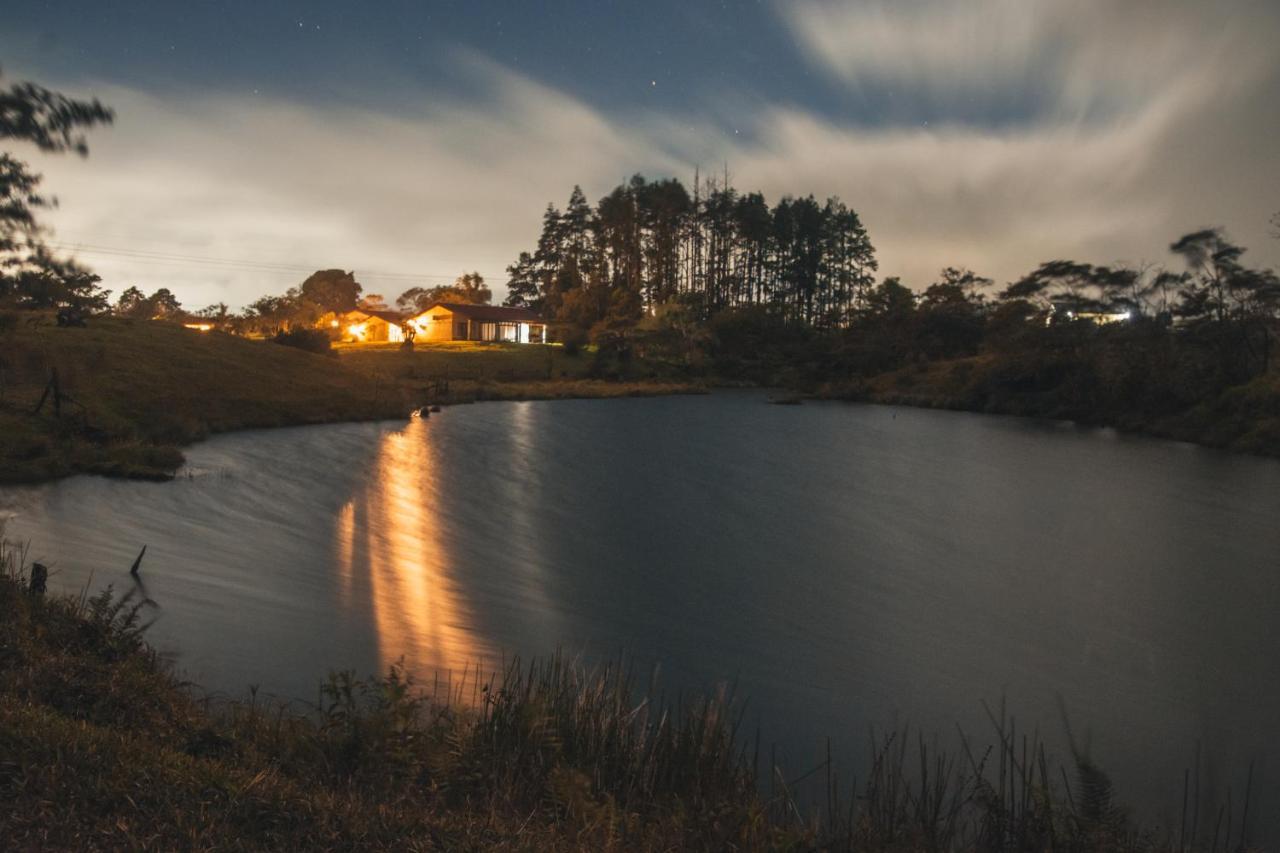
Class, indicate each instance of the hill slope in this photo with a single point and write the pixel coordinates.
(136, 390)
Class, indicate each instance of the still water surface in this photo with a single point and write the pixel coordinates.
(849, 566)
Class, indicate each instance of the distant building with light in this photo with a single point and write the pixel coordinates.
(459, 321)
(1066, 312)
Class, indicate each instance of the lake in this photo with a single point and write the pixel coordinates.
(849, 567)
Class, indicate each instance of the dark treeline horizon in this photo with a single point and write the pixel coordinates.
(648, 244)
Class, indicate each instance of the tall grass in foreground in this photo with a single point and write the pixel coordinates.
(102, 747)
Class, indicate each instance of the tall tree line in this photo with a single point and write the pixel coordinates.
(652, 243)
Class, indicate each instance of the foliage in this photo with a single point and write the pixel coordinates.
(158, 306)
(331, 290)
(468, 288)
(372, 302)
(31, 276)
(311, 340)
(648, 244)
(573, 338)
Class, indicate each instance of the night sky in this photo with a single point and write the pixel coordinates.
(411, 141)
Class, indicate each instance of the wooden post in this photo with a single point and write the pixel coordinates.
(39, 581)
(51, 387)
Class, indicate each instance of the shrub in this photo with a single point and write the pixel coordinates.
(311, 340)
(573, 339)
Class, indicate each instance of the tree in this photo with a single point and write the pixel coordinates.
(332, 290)
(414, 300)
(471, 288)
(217, 314)
(164, 304)
(950, 314)
(892, 300)
(646, 244)
(372, 302)
(957, 284)
(30, 276)
(1217, 284)
(132, 303)
(269, 314)
(1053, 281)
(522, 284)
(468, 287)
(160, 305)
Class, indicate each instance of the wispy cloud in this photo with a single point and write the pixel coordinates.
(441, 187)
(1040, 60)
(1135, 122)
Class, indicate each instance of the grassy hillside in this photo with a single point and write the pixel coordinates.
(139, 389)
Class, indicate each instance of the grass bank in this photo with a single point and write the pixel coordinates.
(133, 392)
(469, 372)
(103, 748)
(1244, 418)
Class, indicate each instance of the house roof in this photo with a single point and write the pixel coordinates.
(394, 317)
(363, 314)
(487, 313)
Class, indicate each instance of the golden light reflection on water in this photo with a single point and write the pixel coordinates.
(346, 536)
(390, 530)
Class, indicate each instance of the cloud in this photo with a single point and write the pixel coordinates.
(1033, 60)
(1137, 122)
(441, 187)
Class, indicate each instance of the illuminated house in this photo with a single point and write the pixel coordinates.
(361, 326)
(1066, 312)
(458, 321)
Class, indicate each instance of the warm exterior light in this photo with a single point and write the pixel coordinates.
(334, 323)
(357, 330)
(199, 327)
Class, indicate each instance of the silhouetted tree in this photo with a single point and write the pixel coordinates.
(332, 290)
(468, 287)
(522, 284)
(951, 317)
(372, 302)
(217, 314)
(270, 314)
(646, 244)
(1218, 285)
(30, 276)
(132, 303)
